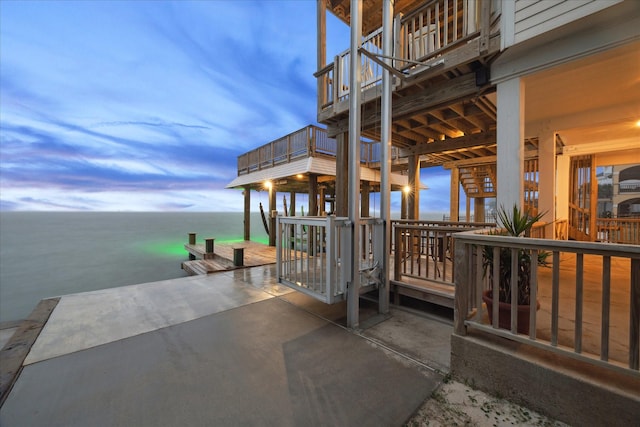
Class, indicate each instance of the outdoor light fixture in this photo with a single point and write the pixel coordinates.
(406, 189)
(267, 185)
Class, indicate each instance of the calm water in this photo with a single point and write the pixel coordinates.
(46, 254)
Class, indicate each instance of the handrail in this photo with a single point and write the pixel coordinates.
(616, 264)
(618, 230)
(423, 250)
(435, 27)
(311, 141)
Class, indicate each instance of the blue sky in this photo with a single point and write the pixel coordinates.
(145, 105)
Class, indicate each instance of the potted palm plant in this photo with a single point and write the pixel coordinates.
(515, 223)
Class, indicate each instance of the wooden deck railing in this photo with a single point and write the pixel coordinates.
(310, 141)
(423, 250)
(434, 28)
(589, 296)
(618, 230)
(312, 254)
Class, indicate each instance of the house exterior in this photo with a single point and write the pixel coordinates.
(522, 100)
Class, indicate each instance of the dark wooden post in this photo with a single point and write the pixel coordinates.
(247, 213)
(292, 207)
(192, 241)
(208, 245)
(413, 202)
(364, 198)
(462, 283)
(272, 215)
(313, 195)
(342, 167)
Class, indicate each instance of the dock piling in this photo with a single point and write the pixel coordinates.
(192, 241)
(209, 245)
(238, 257)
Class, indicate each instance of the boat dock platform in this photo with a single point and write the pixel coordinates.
(212, 257)
(229, 348)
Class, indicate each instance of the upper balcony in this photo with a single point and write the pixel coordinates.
(438, 39)
(291, 158)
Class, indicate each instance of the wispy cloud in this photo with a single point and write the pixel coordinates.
(152, 112)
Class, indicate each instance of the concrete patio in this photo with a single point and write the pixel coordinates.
(228, 348)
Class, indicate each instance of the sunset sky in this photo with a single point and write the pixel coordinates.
(145, 105)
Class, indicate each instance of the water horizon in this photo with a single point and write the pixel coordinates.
(45, 254)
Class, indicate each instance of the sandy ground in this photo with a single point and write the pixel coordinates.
(456, 404)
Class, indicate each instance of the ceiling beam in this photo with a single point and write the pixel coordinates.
(468, 141)
(432, 97)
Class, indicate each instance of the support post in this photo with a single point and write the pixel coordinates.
(353, 291)
(547, 176)
(208, 245)
(292, 206)
(342, 167)
(192, 241)
(510, 135)
(321, 48)
(321, 200)
(247, 213)
(478, 209)
(454, 207)
(385, 155)
(413, 202)
(365, 200)
(313, 195)
(272, 217)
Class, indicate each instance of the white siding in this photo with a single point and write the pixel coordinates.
(534, 17)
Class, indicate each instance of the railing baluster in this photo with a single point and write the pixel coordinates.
(579, 301)
(514, 290)
(496, 287)
(446, 22)
(533, 303)
(606, 307)
(555, 298)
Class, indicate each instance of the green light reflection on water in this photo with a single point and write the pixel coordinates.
(176, 248)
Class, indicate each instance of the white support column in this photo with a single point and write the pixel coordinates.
(510, 143)
(353, 291)
(547, 175)
(385, 145)
(563, 166)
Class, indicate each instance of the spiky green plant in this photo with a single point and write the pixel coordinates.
(516, 223)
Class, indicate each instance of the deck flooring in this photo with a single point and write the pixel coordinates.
(255, 254)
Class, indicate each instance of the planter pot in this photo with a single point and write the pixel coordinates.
(504, 313)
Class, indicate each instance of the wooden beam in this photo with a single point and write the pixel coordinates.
(430, 98)
(453, 143)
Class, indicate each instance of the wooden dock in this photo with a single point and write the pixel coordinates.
(227, 256)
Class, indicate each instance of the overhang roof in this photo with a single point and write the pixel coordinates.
(309, 165)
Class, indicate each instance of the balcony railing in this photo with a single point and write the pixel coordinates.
(633, 186)
(310, 141)
(313, 254)
(423, 250)
(589, 298)
(431, 30)
(618, 230)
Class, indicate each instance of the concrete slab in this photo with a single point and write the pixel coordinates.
(89, 319)
(269, 363)
(421, 336)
